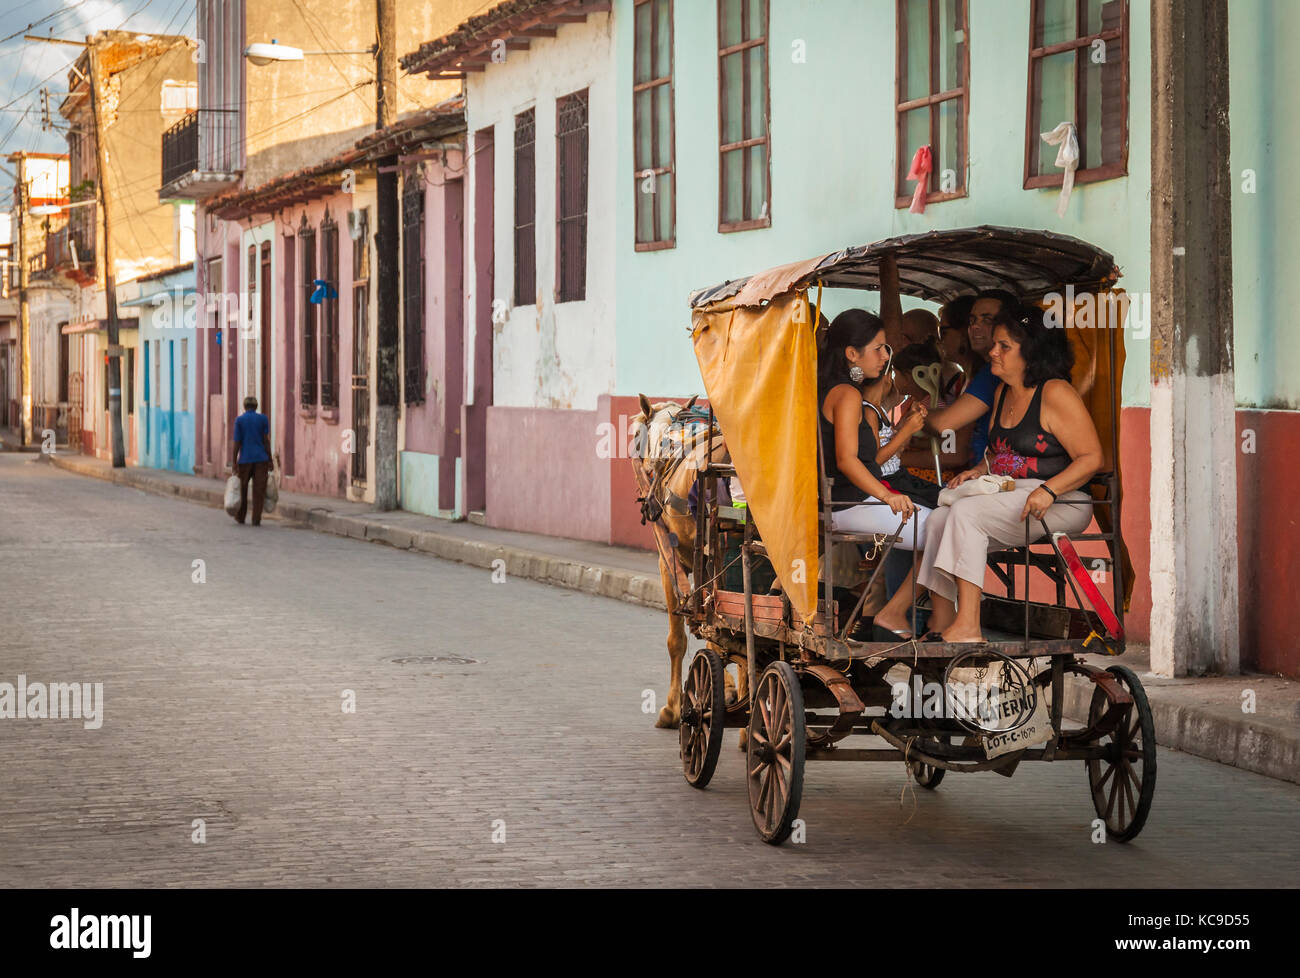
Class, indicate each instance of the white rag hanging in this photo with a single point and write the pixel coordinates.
(1067, 157)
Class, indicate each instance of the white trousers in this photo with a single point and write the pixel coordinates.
(962, 535)
(876, 517)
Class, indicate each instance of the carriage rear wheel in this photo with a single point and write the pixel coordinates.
(774, 758)
(704, 711)
(1124, 781)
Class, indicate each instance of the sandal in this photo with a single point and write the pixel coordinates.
(933, 637)
(879, 633)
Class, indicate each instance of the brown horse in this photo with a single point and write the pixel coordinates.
(665, 460)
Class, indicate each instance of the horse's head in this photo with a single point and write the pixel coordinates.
(648, 427)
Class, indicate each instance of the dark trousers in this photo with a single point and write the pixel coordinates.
(256, 471)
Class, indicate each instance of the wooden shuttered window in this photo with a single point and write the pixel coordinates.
(310, 314)
(329, 314)
(1078, 72)
(571, 196)
(654, 134)
(360, 231)
(933, 87)
(526, 208)
(744, 108)
(413, 373)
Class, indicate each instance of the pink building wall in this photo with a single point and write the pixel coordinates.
(321, 464)
(432, 427)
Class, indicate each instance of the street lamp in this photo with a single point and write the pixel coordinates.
(48, 210)
(265, 54)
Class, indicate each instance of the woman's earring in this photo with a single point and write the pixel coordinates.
(857, 374)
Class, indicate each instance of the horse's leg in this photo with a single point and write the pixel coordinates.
(670, 716)
(742, 694)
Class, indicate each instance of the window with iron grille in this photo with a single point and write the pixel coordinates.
(744, 171)
(413, 287)
(310, 313)
(571, 196)
(526, 208)
(654, 135)
(329, 314)
(216, 307)
(360, 343)
(1078, 72)
(933, 82)
(64, 360)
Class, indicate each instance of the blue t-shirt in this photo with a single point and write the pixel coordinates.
(249, 429)
(982, 385)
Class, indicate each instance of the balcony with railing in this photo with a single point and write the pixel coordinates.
(201, 154)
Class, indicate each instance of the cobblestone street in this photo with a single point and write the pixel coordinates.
(223, 701)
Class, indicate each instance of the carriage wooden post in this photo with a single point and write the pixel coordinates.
(811, 683)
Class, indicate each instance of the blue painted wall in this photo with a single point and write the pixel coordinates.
(166, 396)
(418, 485)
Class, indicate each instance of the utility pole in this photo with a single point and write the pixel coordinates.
(24, 313)
(1194, 599)
(110, 286)
(387, 333)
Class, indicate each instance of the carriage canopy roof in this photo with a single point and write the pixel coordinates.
(937, 266)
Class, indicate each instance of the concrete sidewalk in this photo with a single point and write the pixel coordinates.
(1202, 716)
(11, 440)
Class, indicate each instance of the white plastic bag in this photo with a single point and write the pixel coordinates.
(981, 486)
(232, 495)
(272, 492)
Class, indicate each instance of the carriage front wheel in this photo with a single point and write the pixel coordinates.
(774, 757)
(704, 710)
(1124, 780)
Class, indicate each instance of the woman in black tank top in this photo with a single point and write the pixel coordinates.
(1042, 436)
(855, 353)
(1024, 450)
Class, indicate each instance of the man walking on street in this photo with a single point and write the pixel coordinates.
(252, 458)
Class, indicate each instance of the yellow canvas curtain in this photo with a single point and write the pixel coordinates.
(759, 367)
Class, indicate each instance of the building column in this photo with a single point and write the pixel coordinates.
(1194, 602)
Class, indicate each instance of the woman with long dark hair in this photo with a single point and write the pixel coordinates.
(855, 354)
(1042, 437)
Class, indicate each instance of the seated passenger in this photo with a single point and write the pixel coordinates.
(919, 326)
(975, 401)
(1041, 436)
(856, 353)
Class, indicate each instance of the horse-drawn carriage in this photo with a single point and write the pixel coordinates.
(801, 682)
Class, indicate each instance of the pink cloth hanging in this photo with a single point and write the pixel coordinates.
(922, 165)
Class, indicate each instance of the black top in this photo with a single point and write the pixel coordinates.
(1025, 451)
(843, 490)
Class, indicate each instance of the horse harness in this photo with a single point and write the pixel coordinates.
(671, 452)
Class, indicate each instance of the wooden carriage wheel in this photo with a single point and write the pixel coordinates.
(924, 774)
(1124, 781)
(774, 757)
(704, 712)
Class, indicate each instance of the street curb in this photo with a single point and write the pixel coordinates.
(1237, 743)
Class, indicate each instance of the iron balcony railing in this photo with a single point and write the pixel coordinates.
(203, 141)
(59, 246)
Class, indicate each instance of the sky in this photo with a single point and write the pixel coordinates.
(27, 66)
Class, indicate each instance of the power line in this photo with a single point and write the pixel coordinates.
(27, 29)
